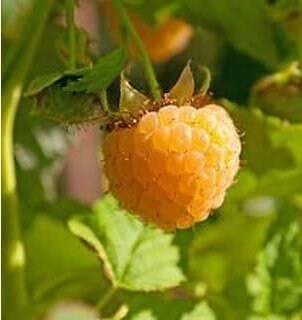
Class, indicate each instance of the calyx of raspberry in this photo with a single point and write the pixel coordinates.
(133, 104)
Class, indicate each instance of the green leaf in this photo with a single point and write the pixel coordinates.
(280, 183)
(98, 78)
(228, 241)
(136, 257)
(275, 185)
(43, 82)
(216, 249)
(57, 265)
(73, 97)
(161, 305)
(69, 108)
(276, 285)
(201, 311)
(278, 143)
(245, 24)
(144, 315)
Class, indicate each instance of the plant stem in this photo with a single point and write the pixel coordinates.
(106, 298)
(150, 74)
(14, 285)
(71, 33)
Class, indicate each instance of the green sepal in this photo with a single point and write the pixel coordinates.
(131, 100)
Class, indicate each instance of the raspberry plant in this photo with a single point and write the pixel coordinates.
(171, 152)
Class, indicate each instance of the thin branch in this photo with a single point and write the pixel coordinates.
(149, 71)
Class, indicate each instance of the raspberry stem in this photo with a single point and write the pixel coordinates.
(150, 74)
(16, 295)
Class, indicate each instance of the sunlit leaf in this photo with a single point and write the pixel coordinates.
(136, 257)
(144, 315)
(201, 311)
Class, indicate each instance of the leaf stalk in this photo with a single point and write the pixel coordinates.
(149, 71)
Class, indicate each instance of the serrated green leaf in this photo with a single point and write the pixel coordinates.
(100, 76)
(278, 143)
(276, 284)
(201, 311)
(136, 257)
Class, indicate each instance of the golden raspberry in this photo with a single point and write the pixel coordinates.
(175, 165)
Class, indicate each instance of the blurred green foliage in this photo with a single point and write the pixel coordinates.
(242, 263)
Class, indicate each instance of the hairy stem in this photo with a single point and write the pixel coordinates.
(15, 293)
(71, 33)
(150, 74)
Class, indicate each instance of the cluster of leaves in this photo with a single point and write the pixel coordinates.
(195, 274)
(81, 89)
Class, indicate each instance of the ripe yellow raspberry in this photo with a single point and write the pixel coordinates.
(175, 165)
